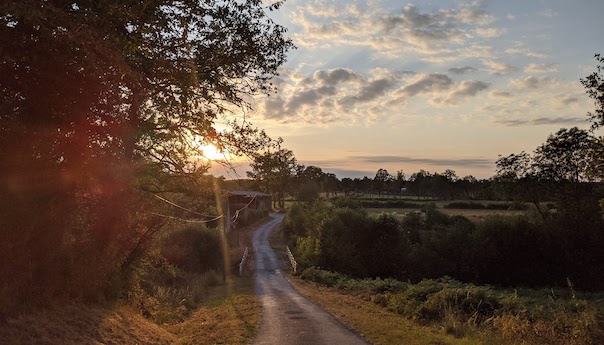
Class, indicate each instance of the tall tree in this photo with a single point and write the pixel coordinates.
(557, 169)
(594, 83)
(419, 183)
(381, 180)
(274, 171)
(99, 97)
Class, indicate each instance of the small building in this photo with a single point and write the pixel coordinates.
(244, 200)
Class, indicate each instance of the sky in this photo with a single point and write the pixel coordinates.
(430, 85)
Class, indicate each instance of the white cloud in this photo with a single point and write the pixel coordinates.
(390, 32)
(336, 76)
(531, 82)
(426, 83)
(500, 94)
(549, 13)
(462, 70)
(520, 49)
(541, 68)
(340, 95)
(465, 89)
(490, 32)
(497, 67)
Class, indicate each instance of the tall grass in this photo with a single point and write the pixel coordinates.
(533, 316)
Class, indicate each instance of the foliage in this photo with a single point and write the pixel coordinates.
(594, 83)
(274, 172)
(345, 240)
(543, 316)
(193, 248)
(558, 170)
(104, 103)
(508, 251)
(480, 206)
(381, 179)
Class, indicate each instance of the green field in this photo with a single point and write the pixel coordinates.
(470, 214)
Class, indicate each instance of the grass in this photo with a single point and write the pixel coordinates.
(470, 214)
(446, 311)
(230, 316)
(228, 313)
(372, 321)
(83, 324)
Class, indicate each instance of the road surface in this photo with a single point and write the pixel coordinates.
(287, 317)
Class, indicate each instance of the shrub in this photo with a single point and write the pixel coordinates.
(193, 248)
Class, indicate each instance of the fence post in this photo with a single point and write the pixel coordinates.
(243, 261)
(292, 260)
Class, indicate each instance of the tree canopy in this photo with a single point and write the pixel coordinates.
(102, 100)
(594, 83)
(89, 78)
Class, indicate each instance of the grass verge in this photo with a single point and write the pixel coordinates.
(372, 321)
(446, 311)
(227, 313)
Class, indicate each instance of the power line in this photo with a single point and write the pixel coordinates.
(185, 220)
(181, 207)
(236, 216)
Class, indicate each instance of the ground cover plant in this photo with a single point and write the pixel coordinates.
(483, 313)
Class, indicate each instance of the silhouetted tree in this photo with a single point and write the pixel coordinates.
(274, 171)
(381, 180)
(594, 83)
(103, 99)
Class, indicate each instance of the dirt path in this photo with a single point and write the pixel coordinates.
(287, 317)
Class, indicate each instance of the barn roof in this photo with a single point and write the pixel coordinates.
(247, 193)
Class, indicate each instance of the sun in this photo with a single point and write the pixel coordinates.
(210, 152)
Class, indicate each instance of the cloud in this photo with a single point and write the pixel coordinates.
(490, 32)
(520, 49)
(499, 68)
(390, 32)
(549, 13)
(465, 89)
(308, 97)
(468, 88)
(541, 68)
(567, 100)
(336, 76)
(426, 83)
(500, 94)
(530, 82)
(462, 70)
(543, 121)
(469, 162)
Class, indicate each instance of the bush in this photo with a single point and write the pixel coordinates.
(193, 249)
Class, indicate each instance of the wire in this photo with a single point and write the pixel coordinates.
(236, 216)
(185, 220)
(181, 207)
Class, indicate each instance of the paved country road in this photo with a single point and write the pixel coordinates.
(287, 317)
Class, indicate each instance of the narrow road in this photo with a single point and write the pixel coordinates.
(287, 317)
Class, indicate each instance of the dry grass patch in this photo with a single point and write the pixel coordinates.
(375, 323)
(82, 324)
(230, 316)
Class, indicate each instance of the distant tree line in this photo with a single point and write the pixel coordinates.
(563, 250)
(559, 244)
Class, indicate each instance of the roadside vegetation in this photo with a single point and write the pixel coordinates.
(176, 294)
(527, 278)
(446, 311)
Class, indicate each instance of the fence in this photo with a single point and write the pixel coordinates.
(292, 260)
(243, 261)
